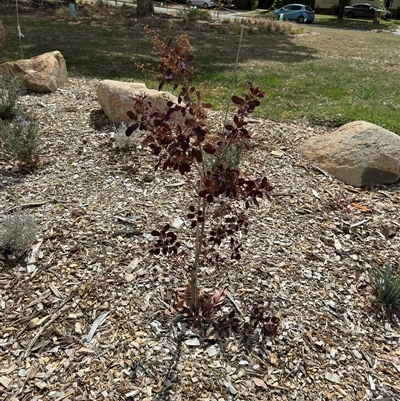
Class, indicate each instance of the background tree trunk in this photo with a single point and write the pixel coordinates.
(342, 4)
(144, 8)
(2, 39)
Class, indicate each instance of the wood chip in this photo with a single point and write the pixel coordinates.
(333, 377)
(192, 342)
(277, 153)
(96, 324)
(5, 381)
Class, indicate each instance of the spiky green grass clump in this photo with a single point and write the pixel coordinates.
(387, 288)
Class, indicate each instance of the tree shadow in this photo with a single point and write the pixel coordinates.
(113, 51)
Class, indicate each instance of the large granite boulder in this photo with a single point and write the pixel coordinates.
(42, 74)
(115, 98)
(359, 153)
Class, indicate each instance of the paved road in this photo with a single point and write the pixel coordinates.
(169, 8)
(223, 14)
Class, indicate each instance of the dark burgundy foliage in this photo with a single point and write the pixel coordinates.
(227, 325)
(181, 140)
(267, 324)
(167, 241)
(261, 325)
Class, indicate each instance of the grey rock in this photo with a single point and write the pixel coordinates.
(359, 153)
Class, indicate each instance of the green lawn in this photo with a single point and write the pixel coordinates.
(327, 74)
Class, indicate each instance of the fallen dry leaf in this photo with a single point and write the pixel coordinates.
(390, 358)
(360, 207)
(260, 383)
(353, 288)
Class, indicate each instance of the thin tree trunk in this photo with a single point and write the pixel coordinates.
(342, 4)
(144, 8)
(194, 268)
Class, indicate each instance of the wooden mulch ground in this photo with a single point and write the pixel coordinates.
(86, 318)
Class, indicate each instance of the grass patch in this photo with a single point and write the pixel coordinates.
(333, 22)
(328, 75)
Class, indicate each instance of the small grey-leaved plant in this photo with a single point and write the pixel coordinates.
(17, 232)
(124, 142)
(19, 139)
(10, 91)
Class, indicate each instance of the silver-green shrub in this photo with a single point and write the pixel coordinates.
(10, 91)
(231, 157)
(19, 140)
(124, 142)
(196, 14)
(17, 232)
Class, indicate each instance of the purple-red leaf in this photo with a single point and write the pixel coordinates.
(197, 154)
(253, 103)
(131, 129)
(184, 168)
(131, 115)
(208, 148)
(237, 100)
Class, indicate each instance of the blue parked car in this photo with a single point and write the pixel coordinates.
(295, 12)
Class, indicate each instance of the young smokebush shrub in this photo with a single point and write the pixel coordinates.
(9, 93)
(17, 232)
(182, 139)
(19, 140)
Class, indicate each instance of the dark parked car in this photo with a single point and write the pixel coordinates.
(364, 10)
